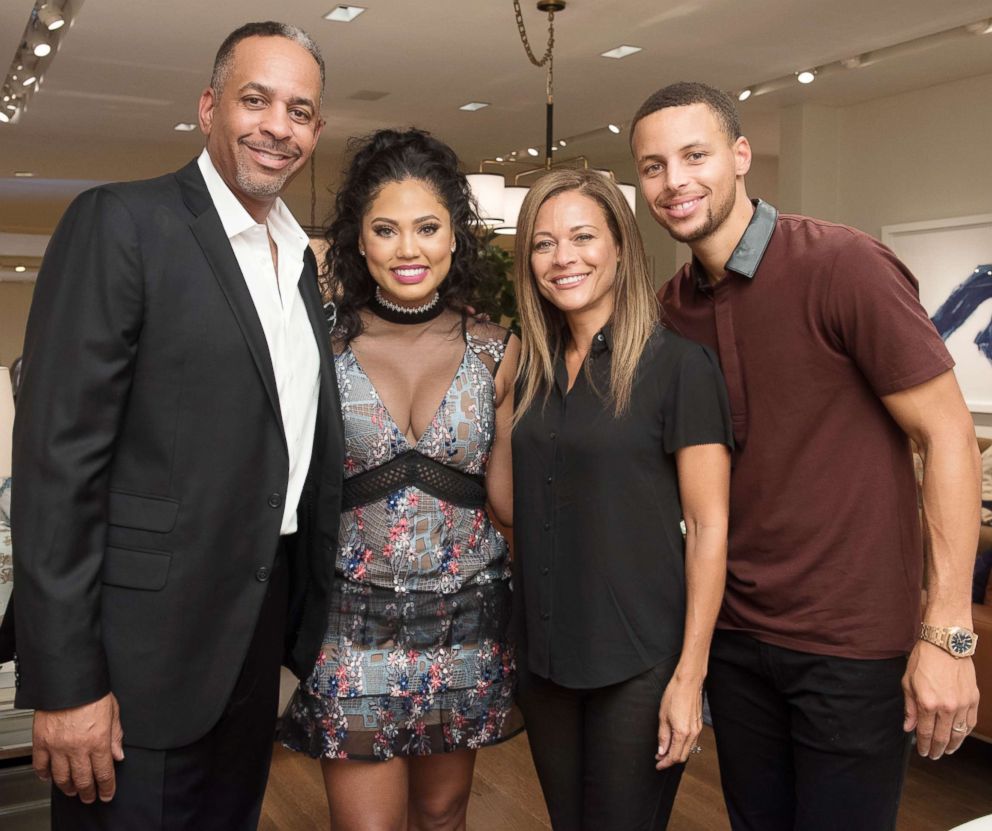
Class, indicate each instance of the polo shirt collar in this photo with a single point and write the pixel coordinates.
(749, 251)
(751, 248)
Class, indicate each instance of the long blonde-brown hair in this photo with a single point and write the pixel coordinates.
(543, 328)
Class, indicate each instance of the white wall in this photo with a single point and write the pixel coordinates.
(917, 156)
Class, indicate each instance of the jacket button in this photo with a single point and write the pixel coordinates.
(275, 500)
(262, 574)
(545, 616)
(545, 571)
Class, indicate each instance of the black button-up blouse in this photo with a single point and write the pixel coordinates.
(600, 578)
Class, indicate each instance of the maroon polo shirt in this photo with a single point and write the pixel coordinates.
(812, 323)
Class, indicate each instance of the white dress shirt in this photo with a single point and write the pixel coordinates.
(279, 304)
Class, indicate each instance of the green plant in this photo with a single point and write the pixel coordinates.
(494, 295)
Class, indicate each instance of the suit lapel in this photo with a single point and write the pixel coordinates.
(328, 407)
(216, 247)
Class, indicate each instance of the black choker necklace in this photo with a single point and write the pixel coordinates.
(395, 313)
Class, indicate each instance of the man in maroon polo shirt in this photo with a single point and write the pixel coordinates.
(818, 672)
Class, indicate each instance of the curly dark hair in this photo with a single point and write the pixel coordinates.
(394, 156)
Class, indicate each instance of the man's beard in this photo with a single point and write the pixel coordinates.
(259, 186)
(713, 221)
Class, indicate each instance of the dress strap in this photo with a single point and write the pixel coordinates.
(412, 468)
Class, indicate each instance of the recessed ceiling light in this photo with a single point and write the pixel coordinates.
(472, 106)
(368, 95)
(20, 269)
(562, 143)
(621, 52)
(499, 158)
(744, 94)
(532, 151)
(23, 174)
(184, 127)
(29, 80)
(613, 128)
(807, 76)
(344, 14)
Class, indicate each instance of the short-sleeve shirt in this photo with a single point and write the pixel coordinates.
(597, 518)
(813, 323)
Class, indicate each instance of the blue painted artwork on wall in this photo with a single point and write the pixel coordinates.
(961, 305)
(952, 260)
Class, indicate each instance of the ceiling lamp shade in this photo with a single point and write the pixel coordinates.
(629, 191)
(630, 194)
(487, 188)
(513, 198)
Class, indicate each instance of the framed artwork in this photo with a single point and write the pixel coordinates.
(952, 259)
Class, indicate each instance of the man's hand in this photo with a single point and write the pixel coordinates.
(77, 748)
(941, 699)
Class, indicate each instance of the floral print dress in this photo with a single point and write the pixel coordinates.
(416, 658)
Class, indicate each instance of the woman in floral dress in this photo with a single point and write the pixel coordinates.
(416, 672)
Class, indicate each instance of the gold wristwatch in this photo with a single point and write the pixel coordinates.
(956, 640)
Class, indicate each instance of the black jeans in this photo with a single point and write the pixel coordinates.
(806, 742)
(216, 783)
(594, 752)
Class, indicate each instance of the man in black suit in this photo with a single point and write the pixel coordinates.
(178, 454)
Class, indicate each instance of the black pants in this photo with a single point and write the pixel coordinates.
(806, 742)
(594, 752)
(216, 783)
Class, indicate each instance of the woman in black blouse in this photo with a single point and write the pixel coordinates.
(621, 474)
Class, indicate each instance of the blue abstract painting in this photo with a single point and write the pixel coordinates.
(962, 303)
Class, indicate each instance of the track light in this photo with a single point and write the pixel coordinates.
(613, 128)
(50, 17)
(40, 45)
(744, 94)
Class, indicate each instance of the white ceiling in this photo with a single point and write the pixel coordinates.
(128, 70)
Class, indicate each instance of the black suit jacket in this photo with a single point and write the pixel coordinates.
(151, 466)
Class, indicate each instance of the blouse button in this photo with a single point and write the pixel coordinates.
(547, 526)
(549, 480)
(553, 435)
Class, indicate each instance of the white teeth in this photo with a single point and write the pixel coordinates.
(409, 272)
(570, 280)
(683, 207)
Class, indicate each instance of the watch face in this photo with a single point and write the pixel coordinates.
(961, 642)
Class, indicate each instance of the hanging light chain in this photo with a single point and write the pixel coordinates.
(523, 35)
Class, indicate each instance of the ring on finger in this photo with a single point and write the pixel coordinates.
(696, 749)
(961, 728)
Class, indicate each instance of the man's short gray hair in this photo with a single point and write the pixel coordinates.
(268, 28)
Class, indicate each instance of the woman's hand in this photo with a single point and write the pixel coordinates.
(680, 721)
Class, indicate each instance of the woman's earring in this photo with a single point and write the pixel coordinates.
(361, 251)
(453, 247)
